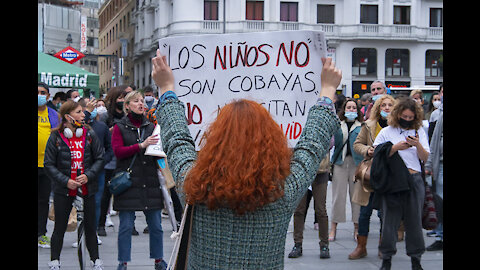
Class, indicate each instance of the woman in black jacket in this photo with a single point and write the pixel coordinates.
(130, 138)
(73, 158)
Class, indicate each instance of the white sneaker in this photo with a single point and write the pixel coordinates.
(108, 222)
(54, 265)
(99, 242)
(97, 265)
(75, 244)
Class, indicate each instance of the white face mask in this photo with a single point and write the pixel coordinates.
(437, 103)
(149, 98)
(101, 110)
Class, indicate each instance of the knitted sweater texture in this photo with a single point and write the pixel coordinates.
(221, 239)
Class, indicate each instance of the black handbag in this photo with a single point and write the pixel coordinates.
(120, 182)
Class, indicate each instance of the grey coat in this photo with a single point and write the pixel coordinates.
(433, 161)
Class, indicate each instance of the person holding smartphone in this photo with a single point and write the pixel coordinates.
(408, 138)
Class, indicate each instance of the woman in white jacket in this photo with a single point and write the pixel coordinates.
(346, 161)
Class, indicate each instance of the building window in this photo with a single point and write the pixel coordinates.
(397, 62)
(436, 17)
(434, 63)
(364, 62)
(325, 13)
(289, 11)
(254, 10)
(401, 15)
(369, 14)
(210, 10)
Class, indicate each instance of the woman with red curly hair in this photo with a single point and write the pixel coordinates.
(245, 183)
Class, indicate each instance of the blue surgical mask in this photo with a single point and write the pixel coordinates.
(384, 114)
(374, 98)
(42, 100)
(351, 115)
(93, 114)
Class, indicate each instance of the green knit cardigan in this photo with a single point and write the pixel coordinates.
(222, 239)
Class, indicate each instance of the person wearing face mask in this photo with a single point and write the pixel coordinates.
(435, 115)
(150, 99)
(102, 113)
(73, 159)
(130, 138)
(48, 120)
(73, 94)
(433, 104)
(377, 89)
(404, 138)
(345, 161)
(364, 146)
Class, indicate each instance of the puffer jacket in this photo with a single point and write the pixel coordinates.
(57, 161)
(145, 192)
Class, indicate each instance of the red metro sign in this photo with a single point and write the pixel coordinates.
(69, 55)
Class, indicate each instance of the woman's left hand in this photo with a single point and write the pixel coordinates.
(82, 179)
(413, 141)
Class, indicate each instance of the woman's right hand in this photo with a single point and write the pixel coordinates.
(72, 184)
(162, 74)
(370, 151)
(153, 139)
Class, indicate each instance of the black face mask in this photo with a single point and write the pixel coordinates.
(119, 105)
(405, 124)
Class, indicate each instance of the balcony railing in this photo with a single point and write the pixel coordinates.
(332, 31)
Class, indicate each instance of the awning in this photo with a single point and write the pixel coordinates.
(59, 74)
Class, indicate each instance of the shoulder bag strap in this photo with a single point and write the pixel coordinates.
(339, 152)
(129, 170)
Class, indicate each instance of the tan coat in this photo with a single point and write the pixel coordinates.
(364, 141)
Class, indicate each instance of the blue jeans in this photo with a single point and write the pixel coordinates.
(154, 221)
(364, 218)
(98, 196)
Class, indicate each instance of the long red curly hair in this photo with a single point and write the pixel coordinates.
(244, 160)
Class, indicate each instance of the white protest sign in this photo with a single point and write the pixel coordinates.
(280, 70)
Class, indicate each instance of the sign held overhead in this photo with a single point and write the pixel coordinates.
(280, 70)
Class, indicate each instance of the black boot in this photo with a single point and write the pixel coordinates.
(386, 264)
(416, 263)
(324, 251)
(296, 251)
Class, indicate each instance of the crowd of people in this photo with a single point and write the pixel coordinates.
(245, 188)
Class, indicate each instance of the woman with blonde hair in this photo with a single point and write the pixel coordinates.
(244, 183)
(130, 138)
